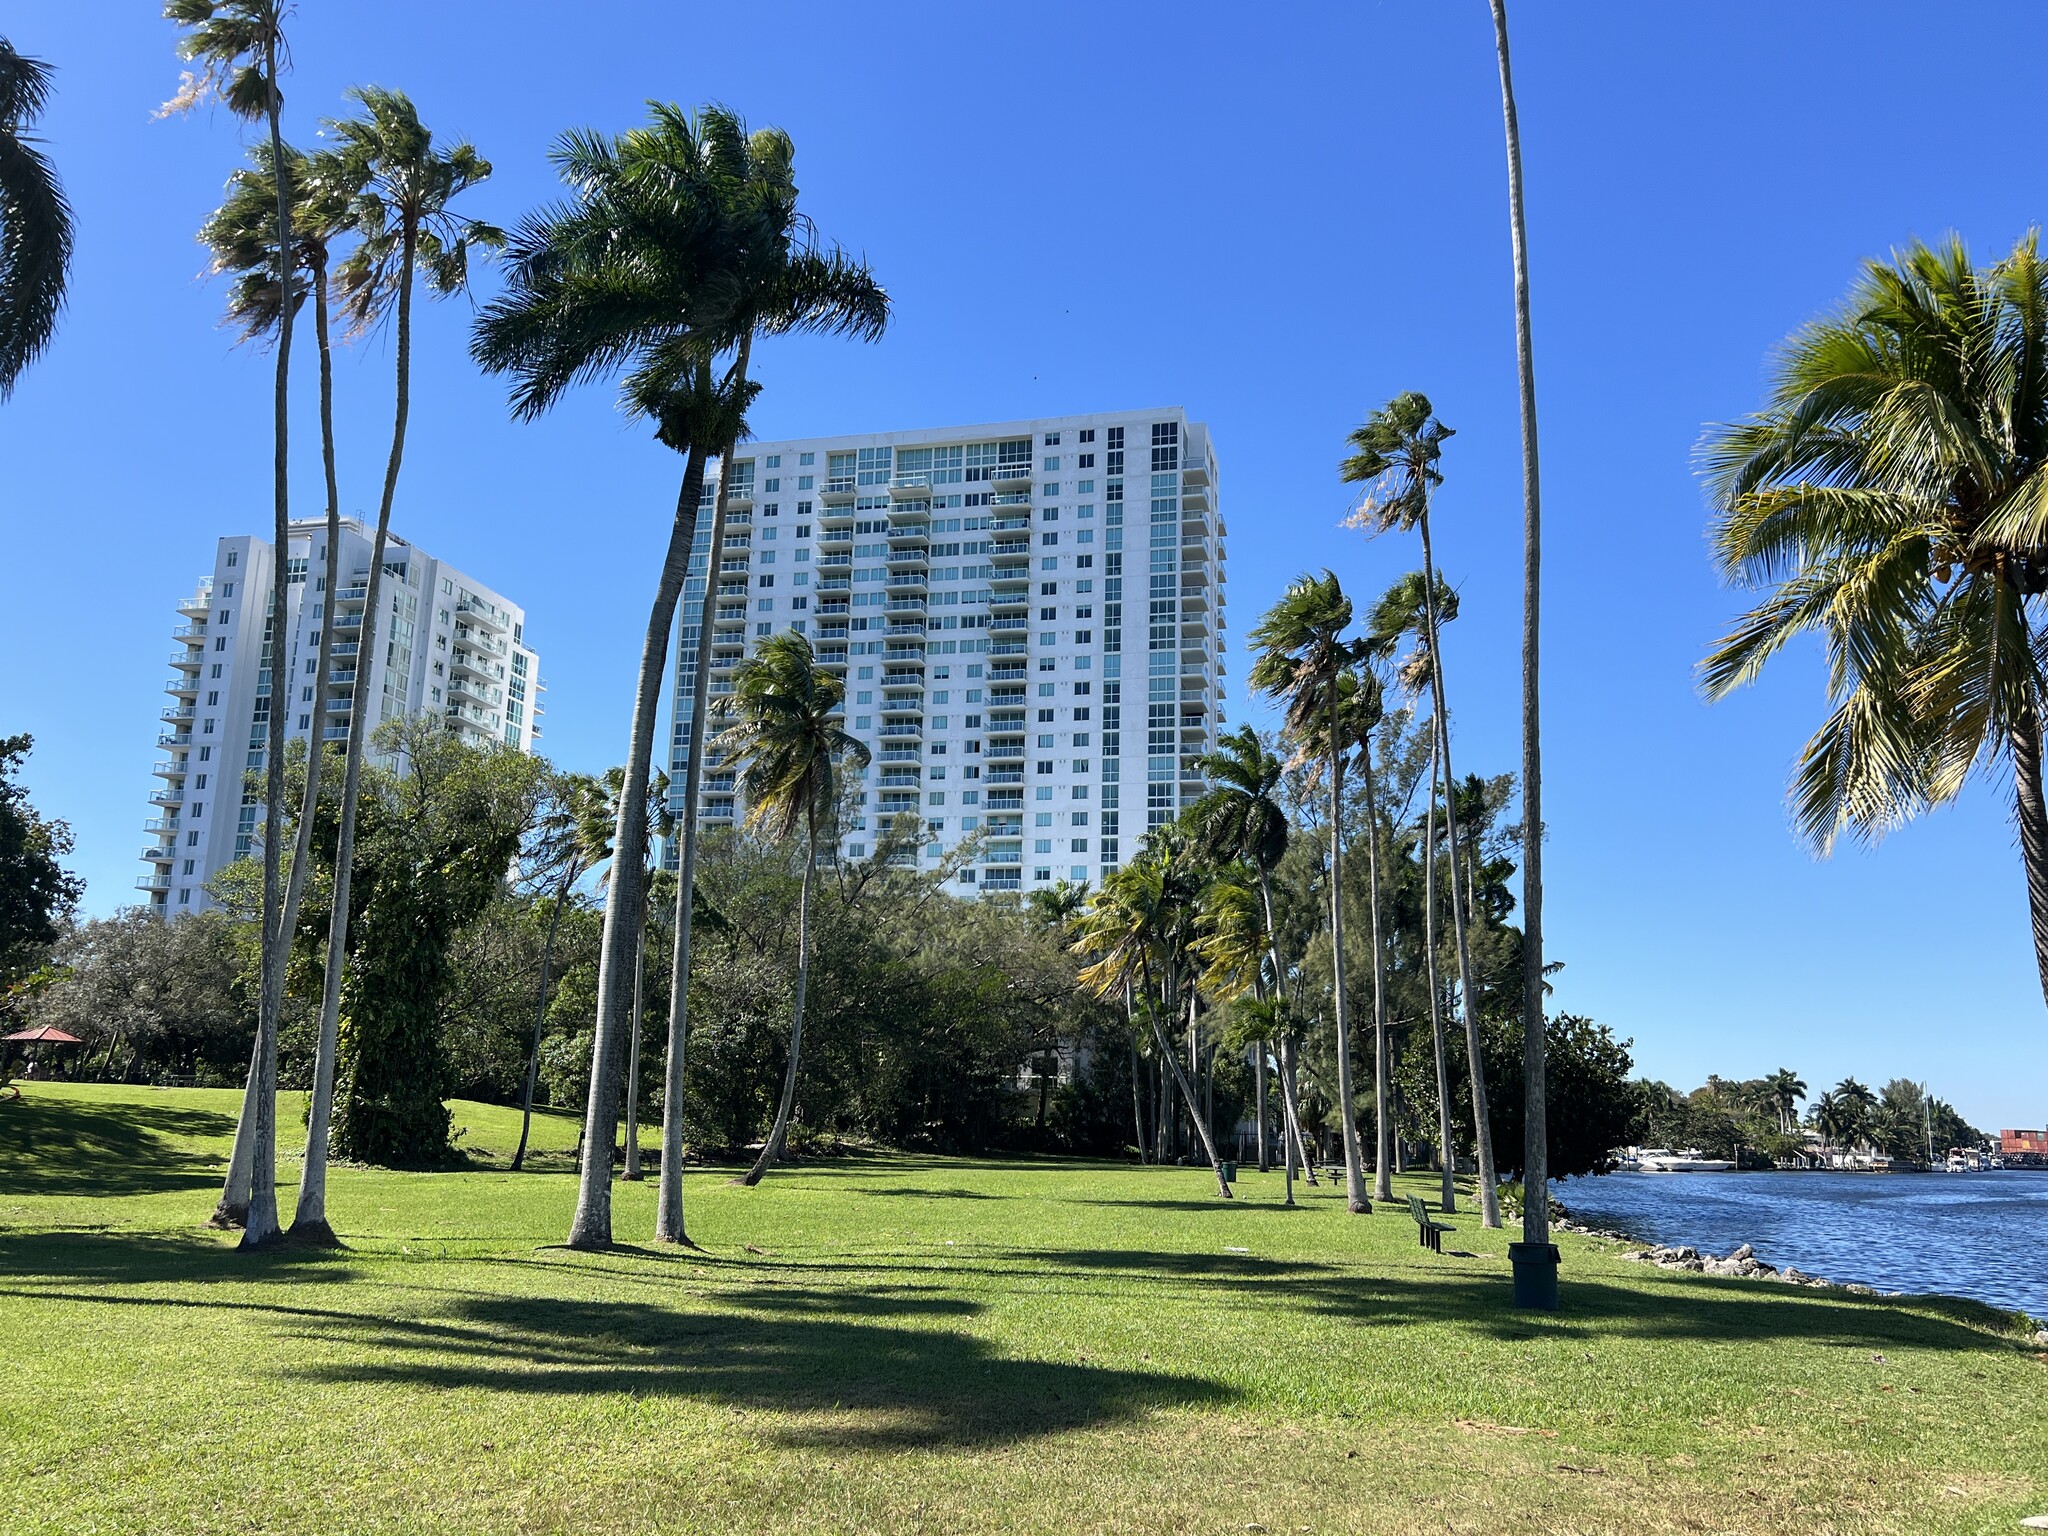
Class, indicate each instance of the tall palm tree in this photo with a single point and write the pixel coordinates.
(1302, 654)
(666, 256)
(402, 188)
(1786, 1088)
(1361, 709)
(1397, 451)
(1890, 497)
(237, 47)
(786, 743)
(567, 849)
(35, 221)
(1536, 1260)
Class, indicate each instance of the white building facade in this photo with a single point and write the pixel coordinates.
(1028, 617)
(446, 644)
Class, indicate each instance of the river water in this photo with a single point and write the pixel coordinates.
(1983, 1235)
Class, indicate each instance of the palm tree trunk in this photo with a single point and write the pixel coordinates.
(1259, 1091)
(309, 1222)
(2031, 811)
(1468, 999)
(1137, 1086)
(232, 1209)
(1290, 1100)
(771, 1150)
(1436, 1012)
(1290, 1130)
(1354, 1174)
(259, 1223)
(1187, 1098)
(1382, 1061)
(540, 1013)
(592, 1225)
(1536, 1152)
(668, 1199)
(632, 1171)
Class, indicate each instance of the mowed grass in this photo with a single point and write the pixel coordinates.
(926, 1344)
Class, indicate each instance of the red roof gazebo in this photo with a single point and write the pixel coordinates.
(42, 1034)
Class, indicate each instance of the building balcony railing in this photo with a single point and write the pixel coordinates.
(199, 601)
(1009, 624)
(904, 653)
(344, 621)
(168, 796)
(901, 730)
(352, 594)
(194, 632)
(178, 712)
(175, 739)
(187, 660)
(158, 853)
(1012, 474)
(1012, 499)
(484, 613)
(153, 882)
(898, 755)
(1003, 776)
(909, 629)
(163, 825)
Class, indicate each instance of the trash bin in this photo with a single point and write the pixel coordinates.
(1230, 1173)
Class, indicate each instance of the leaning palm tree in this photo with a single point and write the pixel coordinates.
(1302, 655)
(786, 743)
(1396, 453)
(1890, 499)
(237, 46)
(681, 242)
(35, 221)
(401, 187)
(1536, 1261)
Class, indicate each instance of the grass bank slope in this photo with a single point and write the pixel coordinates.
(924, 1344)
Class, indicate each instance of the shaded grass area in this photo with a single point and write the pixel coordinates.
(908, 1343)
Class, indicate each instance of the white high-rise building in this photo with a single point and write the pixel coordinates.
(446, 644)
(1028, 617)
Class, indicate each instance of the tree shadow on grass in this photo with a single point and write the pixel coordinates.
(76, 1147)
(158, 1258)
(929, 1194)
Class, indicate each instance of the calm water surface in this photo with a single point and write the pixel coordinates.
(1964, 1234)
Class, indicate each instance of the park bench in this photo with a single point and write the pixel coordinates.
(1428, 1233)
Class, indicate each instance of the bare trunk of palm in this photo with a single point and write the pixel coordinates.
(540, 1013)
(1259, 1093)
(1290, 1130)
(591, 1226)
(1137, 1086)
(259, 1208)
(1536, 1151)
(1436, 1011)
(1290, 1095)
(632, 1171)
(2031, 811)
(1468, 999)
(1354, 1174)
(232, 1209)
(778, 1133)
(1382, 1063)
(669, 1226)
(309, 1222)
(1187, 1098)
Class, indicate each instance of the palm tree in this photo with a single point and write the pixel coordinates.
(1302, 655)
(1889, 497)
(1398, 450)
(401, 188)
(786, 744)
(1361, 709)
(567, 849)
(1536, 1261)
(682, 240)
(1785, 1089)
(35, 221)
(237, 45)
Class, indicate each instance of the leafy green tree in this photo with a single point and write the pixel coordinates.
(1302, 654)
(237, 46)
(35, 221)
(1889, 497)
(785, 741)
(1591, 1107)
(152, 997)
(36, 892)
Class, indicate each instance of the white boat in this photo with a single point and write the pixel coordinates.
(1692, 1160)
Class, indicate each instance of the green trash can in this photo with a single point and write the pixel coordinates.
(1230, 1173)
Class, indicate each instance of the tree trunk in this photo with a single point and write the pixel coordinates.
(1187, 1098)
(1259, 1089)
(1290, 1130)
(1436, 1012)
(309, 1222)
(668, 1200)
(1536, 1152)
(632, 1171)
(2031, 811)
(540, 1012)
(771, 1150)
(1382, 1062)
(1482, 1128)
(232, 1209)
(592, 1224)
(1137, 1086)
(1354, 1175)
(1290, 1096)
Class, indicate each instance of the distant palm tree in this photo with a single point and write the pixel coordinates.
(1786, 1088)
(785, 740)
(1535, 1099)
(566, 848)
(402, 187)
(1302, 653)
(35, 221)
(1890, 496)
(237, 46)
(1398, 450)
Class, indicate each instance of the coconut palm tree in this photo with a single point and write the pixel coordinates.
(237, 46)
(35, 220)
(1785, 1089)
(1396, 453)
(786, 744)
(402, 186)
(681, 242)
(1539, 1290)
(1889, 497)
(567, 849)
(1302, 654)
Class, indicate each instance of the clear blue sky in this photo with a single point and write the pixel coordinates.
(1276, 218)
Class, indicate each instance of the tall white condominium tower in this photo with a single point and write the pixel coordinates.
(446, 644)
(1028, 617)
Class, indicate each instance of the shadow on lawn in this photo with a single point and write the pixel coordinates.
(159, 1258)
(72, 1147)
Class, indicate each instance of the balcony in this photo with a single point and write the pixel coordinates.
(909, 532)
(195, 633)
(1012, 474)
(476, 639)
(837, 488)
(831, 632)
(197, 604)
(1010, 523)
(168, 796)
(1009, 624)
(153, 882)
(171, 826)
(343, 648)
(352, 594)
(183, 687)
(1005, 673)
(158, 853)
(898, 755)
(168, 768)
(911, 488)
(1003, 776)
(177, 713)
(908, 557)
(908, 629)
(1014, 499)
(834, 562)
(901, 730)
(904, 653)
(483, 613)
(175, 739)
(334, 733)
(896, 779)
(347, 621)
(739, 494)
(1005, 801)
(1194, 470)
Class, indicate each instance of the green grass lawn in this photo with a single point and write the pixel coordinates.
(926, 1344)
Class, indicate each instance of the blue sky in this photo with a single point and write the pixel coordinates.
(1277, 225)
